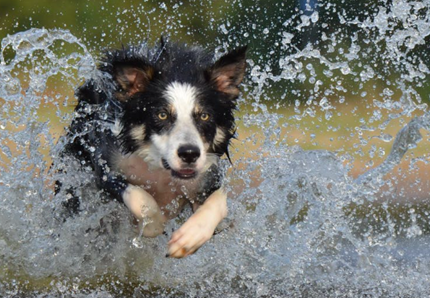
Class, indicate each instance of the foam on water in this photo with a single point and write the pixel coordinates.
(299, 224)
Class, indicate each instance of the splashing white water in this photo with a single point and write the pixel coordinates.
(300, 225)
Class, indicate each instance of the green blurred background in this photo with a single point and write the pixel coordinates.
(213, 24)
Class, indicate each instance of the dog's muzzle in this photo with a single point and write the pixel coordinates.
(188, 153)
(186, 173)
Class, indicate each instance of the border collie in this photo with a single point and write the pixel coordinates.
(152, 126)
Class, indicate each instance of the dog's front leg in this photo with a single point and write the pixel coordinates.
(141, 204)
(145, 209)
(200, 227)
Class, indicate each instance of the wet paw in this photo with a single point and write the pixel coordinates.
(145, 210)
(196, 231)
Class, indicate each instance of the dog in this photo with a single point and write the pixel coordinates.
(152, 125)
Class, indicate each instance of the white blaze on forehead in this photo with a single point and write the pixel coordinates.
(183, 99)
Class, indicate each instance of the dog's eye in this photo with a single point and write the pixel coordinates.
(204, 116)
(162, 115)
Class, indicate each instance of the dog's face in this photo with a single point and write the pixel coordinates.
(178, 110)
(178, 132)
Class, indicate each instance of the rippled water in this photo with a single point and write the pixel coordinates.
(300, 223)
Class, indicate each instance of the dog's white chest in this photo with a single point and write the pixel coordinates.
(137, 172)
(157, 182)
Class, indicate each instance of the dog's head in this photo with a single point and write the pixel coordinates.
(177, 104)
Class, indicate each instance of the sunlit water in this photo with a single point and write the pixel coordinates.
(299, 224)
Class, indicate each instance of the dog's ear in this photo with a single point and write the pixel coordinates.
(228, 72)
(132, 79)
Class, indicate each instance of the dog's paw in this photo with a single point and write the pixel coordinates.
(145, 210)
(198, 229)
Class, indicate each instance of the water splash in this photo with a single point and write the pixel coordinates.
(299, 224)
(407, 138)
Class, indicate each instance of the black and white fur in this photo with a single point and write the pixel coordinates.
(152, 126)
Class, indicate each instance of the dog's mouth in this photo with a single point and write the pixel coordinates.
(185, 174)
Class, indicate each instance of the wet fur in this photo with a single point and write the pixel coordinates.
(160, 119)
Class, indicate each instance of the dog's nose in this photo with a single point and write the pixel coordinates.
(188, 153)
